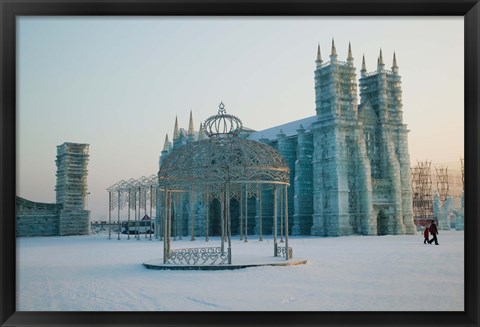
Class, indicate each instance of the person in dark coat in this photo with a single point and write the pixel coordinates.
(434, 231)
(425, 235)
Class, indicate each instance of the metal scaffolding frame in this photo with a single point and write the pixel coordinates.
(442, 183)
(136, 194)
(422, 193)
(463, 173)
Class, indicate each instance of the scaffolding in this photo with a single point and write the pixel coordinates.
(463, 174)
(442, 183)
(442, 201)
(422, 193)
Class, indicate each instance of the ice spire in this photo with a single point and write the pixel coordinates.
(175, 129)
(363, 71)
(165, 145)
(319, 54)
(191, 130)
(334, 50)
(350, 57)
(394, 66)
(380, 64)
(201, 134)
(319, 57)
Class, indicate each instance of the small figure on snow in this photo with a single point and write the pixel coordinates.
(425, 235)
(434, 231)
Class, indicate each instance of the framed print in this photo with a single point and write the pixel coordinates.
(239, 163)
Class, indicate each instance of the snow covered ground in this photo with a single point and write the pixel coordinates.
(358, 273)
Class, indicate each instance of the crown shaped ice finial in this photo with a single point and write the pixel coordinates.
(221, 108)
(222, 124)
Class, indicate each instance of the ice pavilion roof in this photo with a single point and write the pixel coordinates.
(222, 158)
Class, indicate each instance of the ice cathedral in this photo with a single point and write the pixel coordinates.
(349, 162)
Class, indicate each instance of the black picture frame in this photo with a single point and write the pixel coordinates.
(10, 9)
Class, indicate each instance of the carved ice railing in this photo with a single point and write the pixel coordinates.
(198, 256)
(281, 252)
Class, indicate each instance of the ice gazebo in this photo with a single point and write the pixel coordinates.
(223, 167)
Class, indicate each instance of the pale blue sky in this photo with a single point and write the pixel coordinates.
(118, 83)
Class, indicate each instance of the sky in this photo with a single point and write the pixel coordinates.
(117, 83)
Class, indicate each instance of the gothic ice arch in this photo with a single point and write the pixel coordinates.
(382, 223)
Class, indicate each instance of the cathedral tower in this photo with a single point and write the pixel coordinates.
(387, 147)
(341, 171)
(349, 162)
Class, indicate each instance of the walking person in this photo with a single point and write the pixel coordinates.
(434, 231)
(425, 235)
